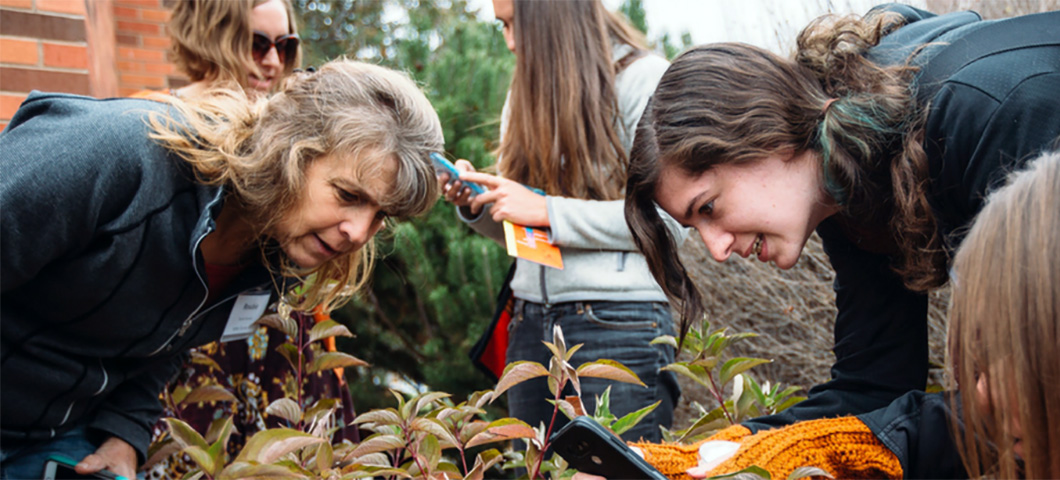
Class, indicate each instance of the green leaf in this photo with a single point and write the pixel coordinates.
(219, 431)
(286, 409)
(629, 420)
(199, 358)
(184, 435)
(665, 340)
(430, 451)
(330, 360)
(602, 413)
(328, 328)
(738, 365)
(201, 457)
(388, 416)
(268, 445)
(286, 325)
(609, 369)
(681, 368)
(807, 472)
(357, 471)
(434, 427)
(290, 352)
(243, 470)
(788, 403)
(206, 394)
(501, 430)
(516, 373)
(471, 429)
(428, 398)
(325, 457)
(376, 443)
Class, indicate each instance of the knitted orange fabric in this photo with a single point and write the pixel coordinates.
(673, 459)
(844, 447)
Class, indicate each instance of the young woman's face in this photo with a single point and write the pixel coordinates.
(338, 213)
(982, 393)
(767, 208)
(269, 18)
(505, 13)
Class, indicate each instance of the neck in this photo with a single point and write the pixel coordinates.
(233, 239)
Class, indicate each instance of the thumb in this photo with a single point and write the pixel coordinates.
(90, 464)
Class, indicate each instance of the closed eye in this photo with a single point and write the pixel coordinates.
(707, 209)
(348, 196)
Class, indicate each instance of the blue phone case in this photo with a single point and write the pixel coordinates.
(443, 165)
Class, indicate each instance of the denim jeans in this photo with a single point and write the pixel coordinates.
(620, 331)
(26, 461)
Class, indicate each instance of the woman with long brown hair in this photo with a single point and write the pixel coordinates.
(581, 80)
(883, 134)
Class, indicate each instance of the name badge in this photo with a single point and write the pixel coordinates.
(248, 309)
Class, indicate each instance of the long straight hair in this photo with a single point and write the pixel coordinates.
(1005, 327)
(562, 134)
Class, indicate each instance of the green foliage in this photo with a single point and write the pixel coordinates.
(710, 367)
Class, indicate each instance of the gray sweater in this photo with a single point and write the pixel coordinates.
(600, 259)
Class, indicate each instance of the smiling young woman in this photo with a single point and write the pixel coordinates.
(115, 210)
(883, 134)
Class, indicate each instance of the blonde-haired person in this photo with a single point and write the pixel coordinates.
(1004, 329)
(581, 80)
(253, 43)
(882, 133)
(114, 209)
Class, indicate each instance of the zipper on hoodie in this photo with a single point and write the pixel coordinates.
(191, 318)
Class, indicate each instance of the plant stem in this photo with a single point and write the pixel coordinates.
(721, 401)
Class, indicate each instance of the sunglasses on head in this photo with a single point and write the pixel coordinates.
(286, 48)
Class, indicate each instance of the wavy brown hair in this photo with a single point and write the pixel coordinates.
(1005, 327)
(561, 131)
(736, 103)
(211, 39)
(260, 152)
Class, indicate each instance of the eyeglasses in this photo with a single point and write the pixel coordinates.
(286, 48)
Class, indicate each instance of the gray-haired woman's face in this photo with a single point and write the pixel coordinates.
(338, 213)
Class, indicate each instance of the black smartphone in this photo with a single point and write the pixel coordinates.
(591, 448)
(61, 467)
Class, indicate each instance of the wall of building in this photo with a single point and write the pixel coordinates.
(102, 48)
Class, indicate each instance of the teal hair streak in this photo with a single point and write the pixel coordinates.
(854, 115)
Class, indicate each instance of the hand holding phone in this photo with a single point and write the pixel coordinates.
(591, 448)
(444, 166)
(61, 467)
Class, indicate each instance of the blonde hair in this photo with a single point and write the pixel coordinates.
(562, 133)
(1005, 325)
(260, 151)
(211, 39)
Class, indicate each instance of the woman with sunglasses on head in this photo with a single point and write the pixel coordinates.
(119, 214)
(883, 134)
(582, 78)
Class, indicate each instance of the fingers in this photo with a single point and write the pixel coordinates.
(464, 166)
(491, 182)
(114, 455)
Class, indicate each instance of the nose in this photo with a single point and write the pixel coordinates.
(509, 39)
(359, 228)
(718, 242)
(271, 61)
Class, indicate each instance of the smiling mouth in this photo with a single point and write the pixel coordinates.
(756, 248)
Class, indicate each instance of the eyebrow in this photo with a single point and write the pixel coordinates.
(356, 189)
(692, 204)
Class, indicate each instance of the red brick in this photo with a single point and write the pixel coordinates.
(13, 50)
(9, 104)
(139, 27)
(127, 91)
(157, 68)
(161, 16)
(65, 56)
(3, 125)
(26, 79)
(75, 7)
(43, 26)
(126, 13)
(149, 81)
(127, 40)
(161, 43)
(124, 66)
(27, 4)
(129, 53)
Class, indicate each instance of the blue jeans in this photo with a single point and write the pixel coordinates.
(20, 461)
(620, 331)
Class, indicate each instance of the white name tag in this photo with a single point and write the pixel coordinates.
(248, 309)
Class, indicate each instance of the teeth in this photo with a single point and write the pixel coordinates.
(757, 248)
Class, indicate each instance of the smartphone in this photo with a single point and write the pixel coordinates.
(61, 467)
(591, 448)
(443, 165)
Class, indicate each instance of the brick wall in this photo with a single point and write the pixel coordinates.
(103, 48)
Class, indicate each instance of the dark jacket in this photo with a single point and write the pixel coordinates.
(102, 278)
(917, 428)
(985, 120)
